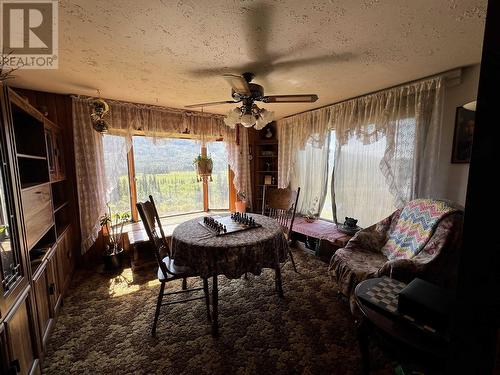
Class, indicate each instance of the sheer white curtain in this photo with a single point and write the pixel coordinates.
(240, 164)
(359, 185)
(90, 175)
(390, 138)
(310, 173)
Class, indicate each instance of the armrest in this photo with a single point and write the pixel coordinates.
(401, 269)
(370, 239)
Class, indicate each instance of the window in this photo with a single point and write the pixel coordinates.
(164, 169)
(116, 166)
(218, 189)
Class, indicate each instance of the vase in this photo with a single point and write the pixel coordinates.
(113, 261)
(240, 206)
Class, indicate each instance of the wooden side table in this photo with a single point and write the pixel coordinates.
(423, 351)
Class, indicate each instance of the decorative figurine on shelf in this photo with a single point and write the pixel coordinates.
(269, 134)
(268, 166)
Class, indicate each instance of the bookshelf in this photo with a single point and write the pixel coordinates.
(264, 163)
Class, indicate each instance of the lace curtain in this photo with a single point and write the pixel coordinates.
(311, 180)
(407, 117)
(126, 119)
(89, 163)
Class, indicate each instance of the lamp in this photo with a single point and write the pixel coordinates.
(249, 116)
(471, 106)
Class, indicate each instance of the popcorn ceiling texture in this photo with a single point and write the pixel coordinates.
(172, 52)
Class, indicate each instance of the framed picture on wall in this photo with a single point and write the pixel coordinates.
(462, 137)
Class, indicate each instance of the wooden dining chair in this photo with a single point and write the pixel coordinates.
(167, 270)
(280, 204)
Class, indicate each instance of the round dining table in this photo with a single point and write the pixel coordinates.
(230, 254)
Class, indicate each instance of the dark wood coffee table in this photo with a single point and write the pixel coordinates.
(423, 351)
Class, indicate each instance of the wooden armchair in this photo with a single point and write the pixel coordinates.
(281, 204)
(167, 270)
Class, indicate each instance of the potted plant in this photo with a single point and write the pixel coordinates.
(112, 225)
(204, 166)
(241, 202)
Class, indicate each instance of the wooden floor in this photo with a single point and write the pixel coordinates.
(136, 232)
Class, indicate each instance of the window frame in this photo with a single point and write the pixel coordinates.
(206, 206)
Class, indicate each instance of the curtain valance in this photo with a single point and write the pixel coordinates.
(155, 121)
(366, 118)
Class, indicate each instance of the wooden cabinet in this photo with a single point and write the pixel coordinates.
(42, 302)
(64, 259)
(36, 213)
(19, 336)
(37, 208)
(54, 287)
(55, 157)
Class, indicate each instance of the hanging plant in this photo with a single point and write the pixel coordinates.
(99, 109)
(204, 166)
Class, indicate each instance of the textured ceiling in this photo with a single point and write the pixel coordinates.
(172, 52)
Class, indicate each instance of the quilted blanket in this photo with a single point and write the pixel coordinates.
(415, 227)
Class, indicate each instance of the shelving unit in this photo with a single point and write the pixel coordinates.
(265, 163)
(37, 225)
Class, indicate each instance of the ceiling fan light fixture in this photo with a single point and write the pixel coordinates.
(248, 120)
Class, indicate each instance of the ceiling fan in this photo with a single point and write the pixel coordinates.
(246, 92)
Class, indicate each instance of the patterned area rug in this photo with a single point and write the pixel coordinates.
(104, 327)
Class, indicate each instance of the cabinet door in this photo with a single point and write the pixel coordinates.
(12, 263)
(19, 332)
(43, 308)
(53, 284)
(64, 260)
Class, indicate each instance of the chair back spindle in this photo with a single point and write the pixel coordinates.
(152, 224)
(281, 204)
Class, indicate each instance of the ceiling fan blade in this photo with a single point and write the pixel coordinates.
(301, 98)
(210, 103)
(237, 83)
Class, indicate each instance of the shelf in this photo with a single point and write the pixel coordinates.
(62, 205)
(32, 185)
(267, 171)
(56, 180)
(270, 156)
(266, 142)
(26, 156)
(268, 185)
(60, 230)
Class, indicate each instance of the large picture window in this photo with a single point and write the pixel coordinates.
(163, 168)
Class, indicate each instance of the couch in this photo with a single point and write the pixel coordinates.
(436, 259)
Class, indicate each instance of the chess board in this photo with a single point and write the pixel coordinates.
(231, 225)
(384, 294)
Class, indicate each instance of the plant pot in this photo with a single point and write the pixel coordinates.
(240, 206)
(204, 167)
(113, 261)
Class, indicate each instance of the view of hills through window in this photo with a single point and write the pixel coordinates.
(164, 168)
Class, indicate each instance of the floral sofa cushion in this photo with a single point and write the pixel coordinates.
(414, 228)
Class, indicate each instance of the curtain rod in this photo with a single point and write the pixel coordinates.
(152, 106)
(451, 74)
